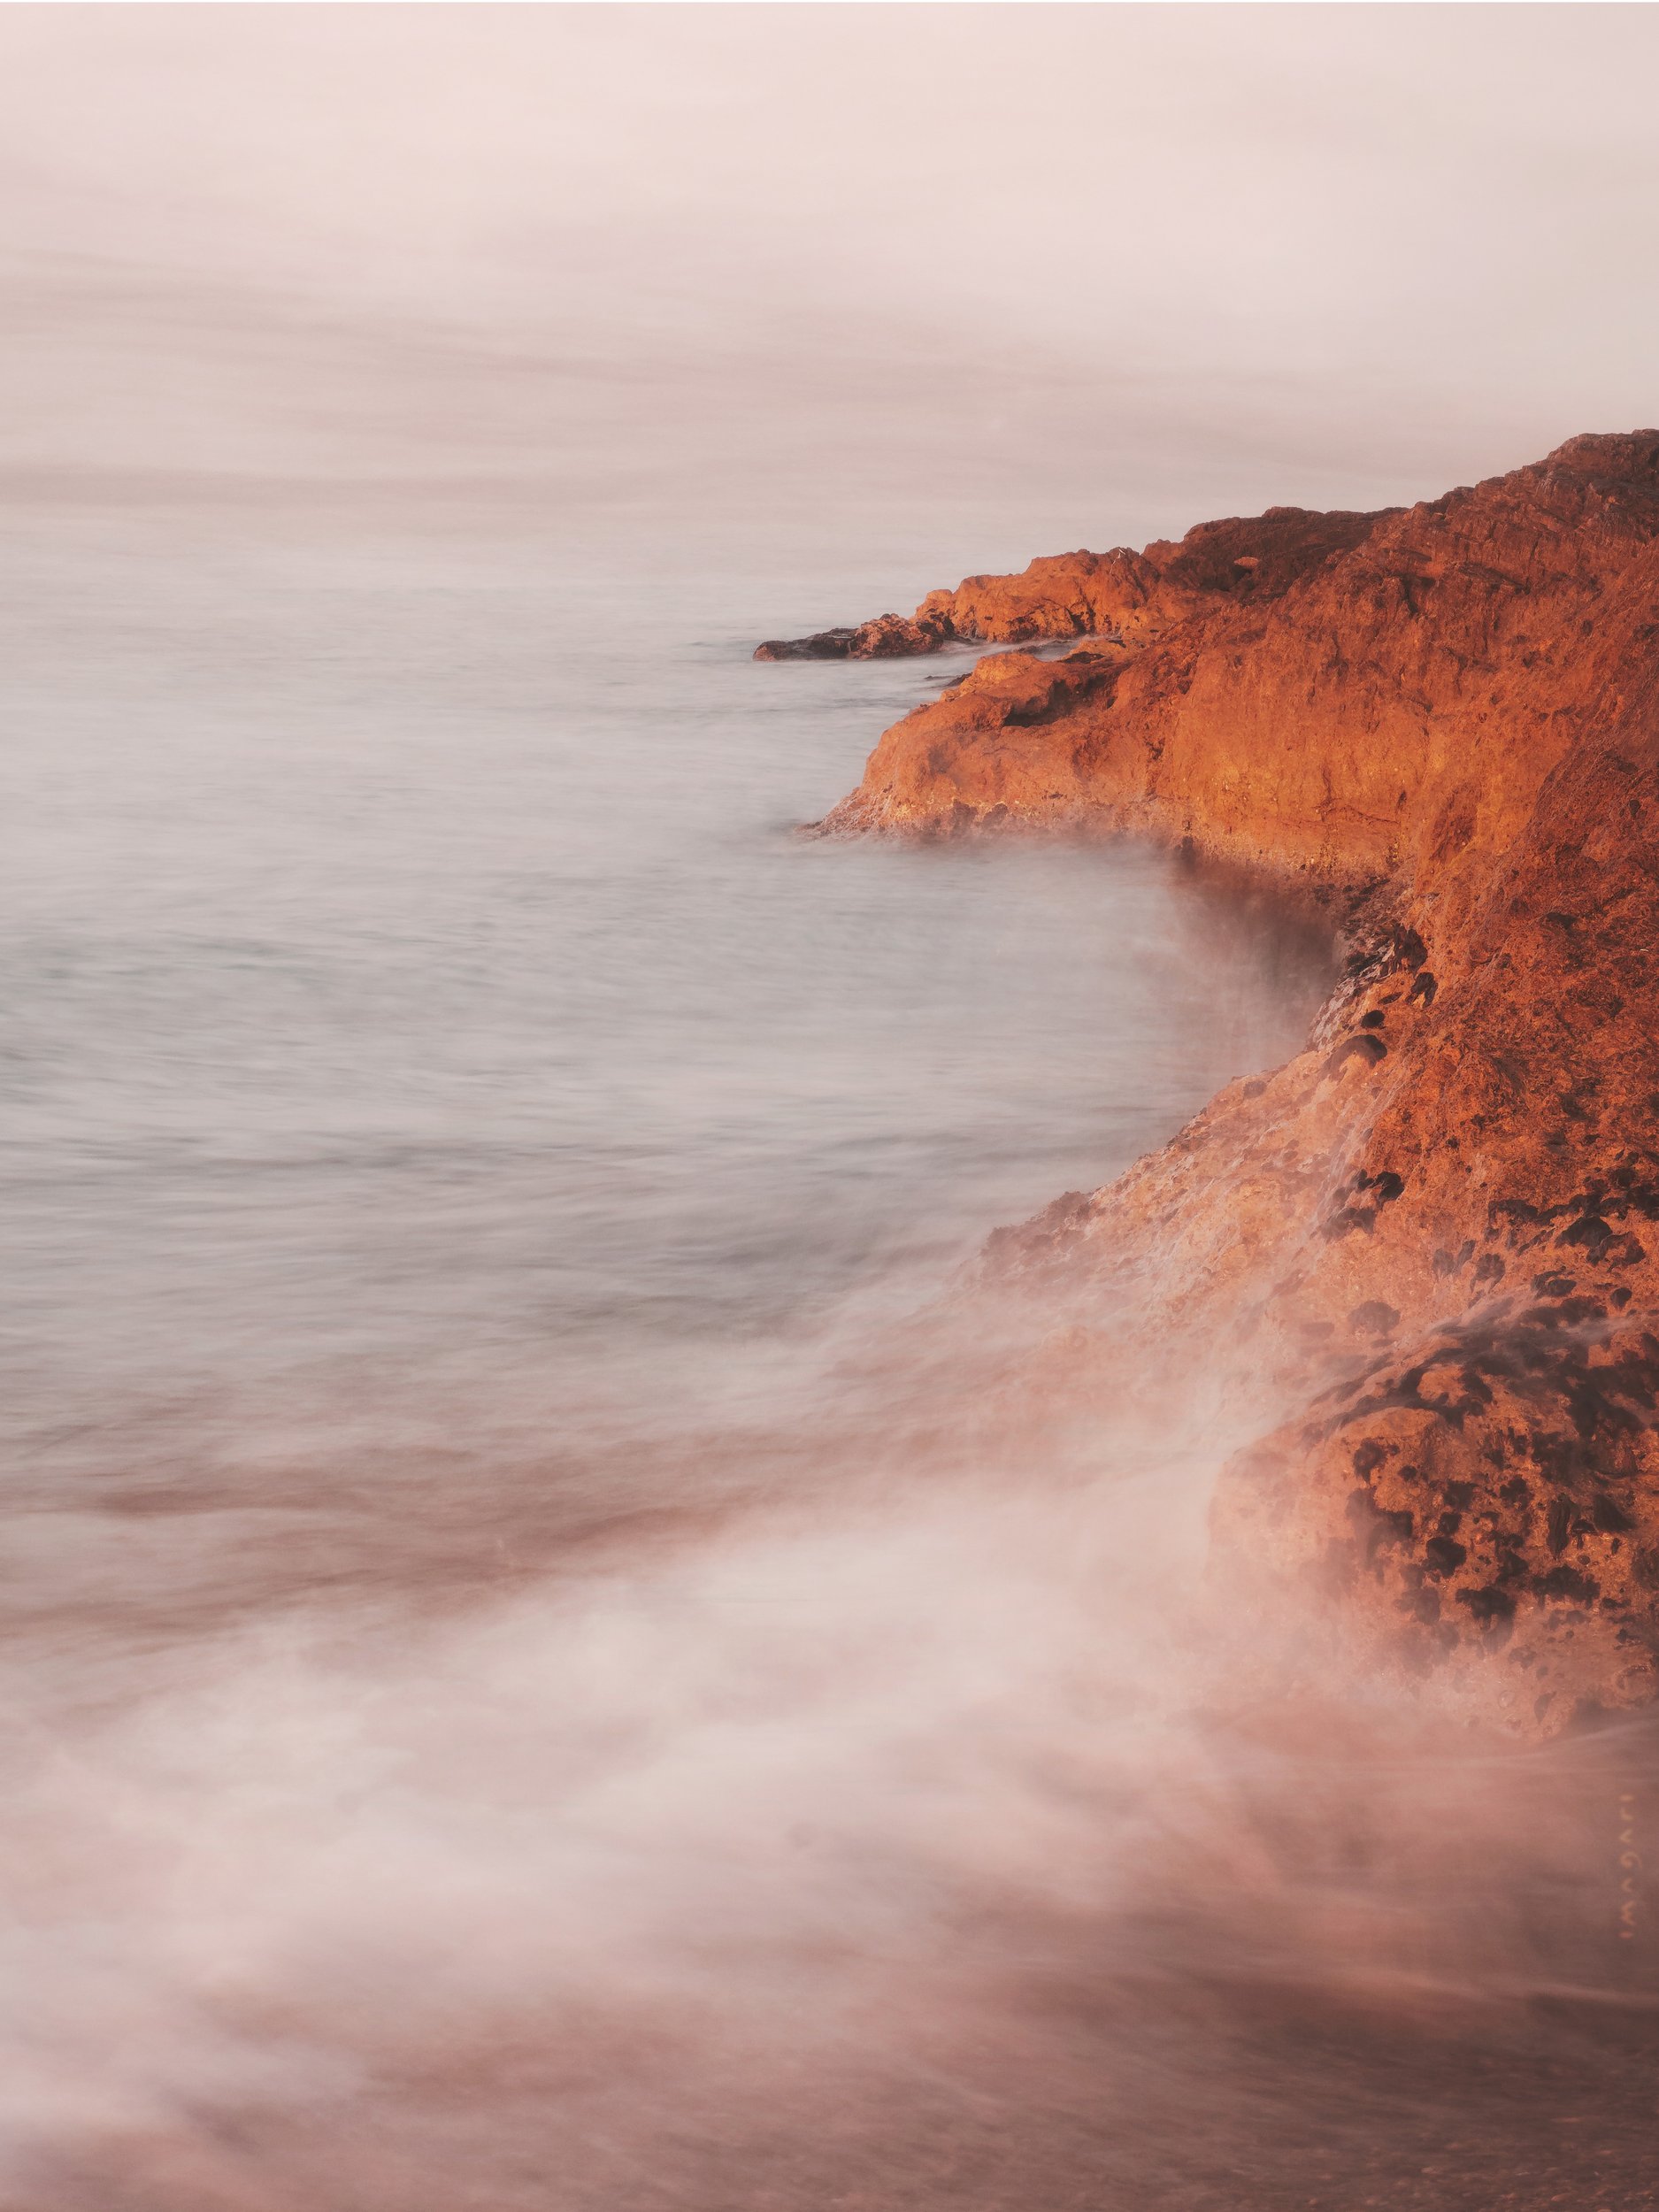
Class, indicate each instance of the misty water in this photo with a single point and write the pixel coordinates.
(413, 962)
(502, 1709)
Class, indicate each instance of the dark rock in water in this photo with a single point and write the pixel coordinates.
(828, 645)
(885, 637)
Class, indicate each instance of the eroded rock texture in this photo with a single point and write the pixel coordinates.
(1434, 1236)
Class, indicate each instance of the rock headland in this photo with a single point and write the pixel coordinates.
(1427, 1248)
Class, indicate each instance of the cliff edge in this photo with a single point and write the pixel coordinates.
(1433, 1237)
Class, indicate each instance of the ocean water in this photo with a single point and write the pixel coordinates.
(423, 1016)
(501, 1710)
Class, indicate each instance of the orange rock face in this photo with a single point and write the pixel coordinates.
(1429, 1246)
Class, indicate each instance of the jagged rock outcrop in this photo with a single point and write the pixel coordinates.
(1119, 594)
(1433, 1237)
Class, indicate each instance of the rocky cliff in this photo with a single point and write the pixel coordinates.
(1428, 1247)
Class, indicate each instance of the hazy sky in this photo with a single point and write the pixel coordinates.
(1150, 252)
